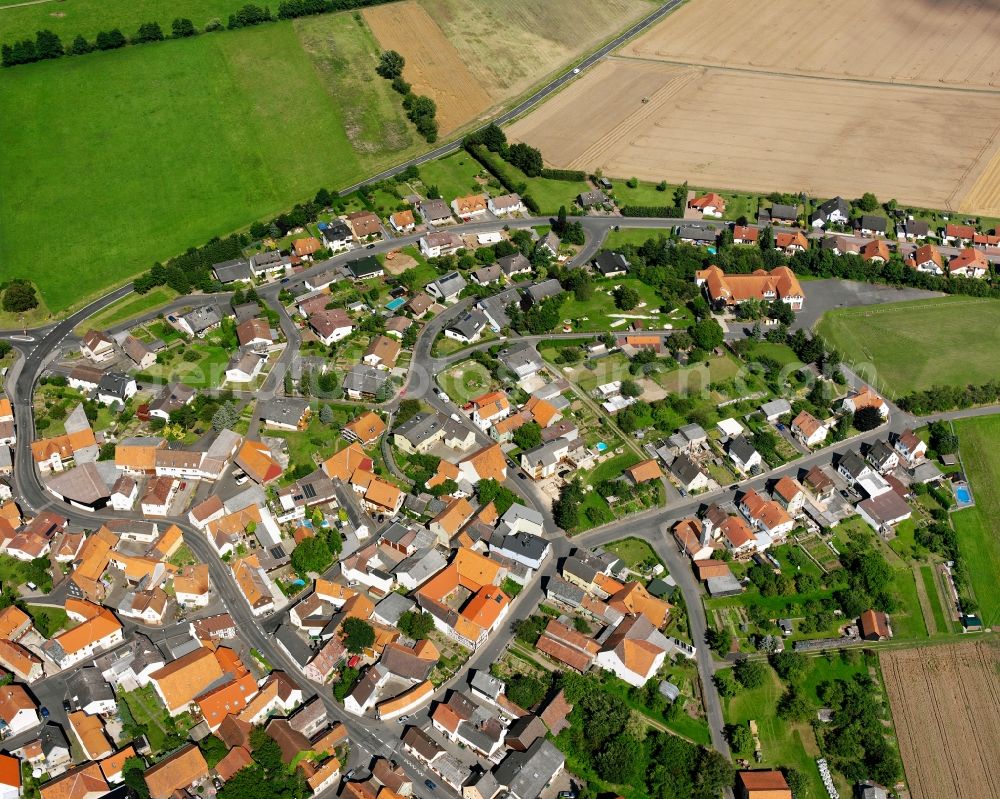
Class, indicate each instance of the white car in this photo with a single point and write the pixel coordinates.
(444, 397)
(576, 71)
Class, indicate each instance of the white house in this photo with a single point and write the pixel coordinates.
(97, 346)
(442, 242)
(743, 455)
(245, 368)
(809, 430)
(124, 493)
(505, 204)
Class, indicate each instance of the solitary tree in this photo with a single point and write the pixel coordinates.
(390, 65)
(358, 635)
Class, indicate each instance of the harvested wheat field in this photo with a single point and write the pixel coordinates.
(949, 42)
(511, 46)
(471, 56)
(433, 66)
(759, 132)
(946, 708)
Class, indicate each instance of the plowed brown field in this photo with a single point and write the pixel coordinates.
(946, 708)
(433, 66)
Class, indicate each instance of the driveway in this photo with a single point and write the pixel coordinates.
(828, 294)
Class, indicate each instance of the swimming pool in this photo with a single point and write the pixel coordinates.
(399, 302)
(963, 495)
(600, 446)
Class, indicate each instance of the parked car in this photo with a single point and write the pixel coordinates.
(431, 784)
(44, 711)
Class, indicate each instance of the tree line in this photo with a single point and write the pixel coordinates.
(47, 45)
(420, 110)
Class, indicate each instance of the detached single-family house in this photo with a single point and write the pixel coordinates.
(809, 430)
(470, 207)
(875, 251)
(402, 221)
(447, 288)
(835, 211)
(958, 235)
(913, 230)
(365, 224)
(743, 455)
(97, 346)
(866, 398)
(926, 258)
(505, 204)
(441, 242)
(337, 235)
(245, 367)
(911, 448)
(468, 328)
(137, 351)
(611, 264)
(688, 473)
(969, 262)
(872, 225)
(436, 212)
(331, 325)
(592, 199)
(710, 204)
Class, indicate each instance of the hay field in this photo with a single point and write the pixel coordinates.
(946, 708)
(472, 56)
(511, 46)
(433, 66)
(759, 132)
(945, 42)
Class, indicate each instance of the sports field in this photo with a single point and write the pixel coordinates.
(67, 18)
(133, 156)
(472, 56)
(978, 527)
(913, 346)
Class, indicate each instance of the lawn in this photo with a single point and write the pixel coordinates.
(88, 17)
(781, 353)
(209, 371)
(465, 380)
(454, 176)
(634, 551)
(149, 150)
(890, 341)
(644, 193)
(317, 439)
(596, 313)
(634, 236)
(612, 467)
(698, 377)
(792, 744)
(934, 599)
(548, 194)
(48, 620)
(978, 527)
(128, 307)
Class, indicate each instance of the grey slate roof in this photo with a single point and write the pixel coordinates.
(231, 271)
(470, 324)
(540, 291)
(365, 379)
(525, 774)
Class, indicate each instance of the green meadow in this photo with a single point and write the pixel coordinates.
(131, 156)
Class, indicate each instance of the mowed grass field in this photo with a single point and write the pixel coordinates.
(132, 156)
(67, 18)
(916, 345)
(978, 527)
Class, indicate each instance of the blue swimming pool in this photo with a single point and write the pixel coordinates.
(963, 495)
(600, 446)
(393, 305)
